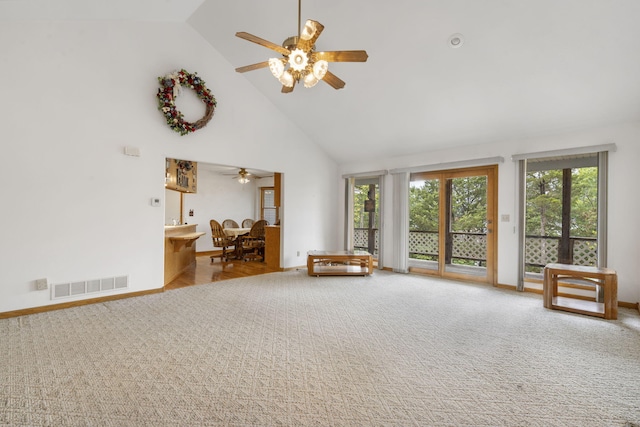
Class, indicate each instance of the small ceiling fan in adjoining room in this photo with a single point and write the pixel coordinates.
(244, 176)
(299, 59)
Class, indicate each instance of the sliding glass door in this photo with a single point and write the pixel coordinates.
(424, 221)
(364, 214)
(452, 216)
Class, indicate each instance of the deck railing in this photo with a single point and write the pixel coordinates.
(466, 248)
(542, 250)
(539, 250)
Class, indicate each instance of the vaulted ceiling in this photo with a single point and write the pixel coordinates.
(526, 67)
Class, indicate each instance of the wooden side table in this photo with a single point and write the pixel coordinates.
(605, 277)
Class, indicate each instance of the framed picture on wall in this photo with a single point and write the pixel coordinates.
(181, 175)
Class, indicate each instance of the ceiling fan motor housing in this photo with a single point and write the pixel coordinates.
(290, 43)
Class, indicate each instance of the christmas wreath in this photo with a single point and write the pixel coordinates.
(170, 86)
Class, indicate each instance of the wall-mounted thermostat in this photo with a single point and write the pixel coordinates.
(155, 201)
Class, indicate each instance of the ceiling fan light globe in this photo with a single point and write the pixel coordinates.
(276, 66)
(309, 30)
(298, 59)
(310, 80)
(286, 79)
(320, 69)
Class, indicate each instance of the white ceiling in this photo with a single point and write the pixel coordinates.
(76, 10)
(527, 67)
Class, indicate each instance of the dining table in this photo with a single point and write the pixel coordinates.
(236, 234)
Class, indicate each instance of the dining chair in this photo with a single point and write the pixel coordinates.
(247, 223)
(229, 223)
(220, 240)
(253, 243)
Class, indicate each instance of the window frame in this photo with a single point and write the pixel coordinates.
(263, 207)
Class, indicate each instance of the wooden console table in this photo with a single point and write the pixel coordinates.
(339, 263)
(605, 277)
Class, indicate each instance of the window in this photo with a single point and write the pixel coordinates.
(561, 213)
(366, 215)
(268, 209)
(562, 209)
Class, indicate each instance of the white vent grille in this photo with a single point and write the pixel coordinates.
(93, 286)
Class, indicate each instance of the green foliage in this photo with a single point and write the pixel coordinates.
(423, 205)
(468, 207)
(584, 202)
(544, 202)
(469, 204)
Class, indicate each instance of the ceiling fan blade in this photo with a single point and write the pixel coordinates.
(263, 42)
(252, 67)
(341, 56)
(309, 35)
(333, 81)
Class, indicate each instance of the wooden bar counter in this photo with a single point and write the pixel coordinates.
(272, 247)
(179, 249)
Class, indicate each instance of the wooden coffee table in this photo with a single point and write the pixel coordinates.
(339, 263)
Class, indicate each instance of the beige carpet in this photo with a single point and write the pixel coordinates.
(285, 349)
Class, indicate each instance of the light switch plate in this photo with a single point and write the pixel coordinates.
(42, 284)
(132, 151)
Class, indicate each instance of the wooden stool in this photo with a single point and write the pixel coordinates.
(605, 277)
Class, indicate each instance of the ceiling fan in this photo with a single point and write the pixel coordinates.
(242, 176)
(299, 59)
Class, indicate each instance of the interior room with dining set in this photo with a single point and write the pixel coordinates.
(220, 222)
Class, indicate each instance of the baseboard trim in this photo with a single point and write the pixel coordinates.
(208, 253)
(631, 305)
(69, 304)
(43, 309)
(624, 304)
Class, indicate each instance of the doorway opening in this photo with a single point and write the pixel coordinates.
(222, 192)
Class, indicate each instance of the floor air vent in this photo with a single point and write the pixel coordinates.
(72, 289)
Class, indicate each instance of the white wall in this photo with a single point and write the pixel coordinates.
(624, 199)
(172, 206)
(74, 206)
